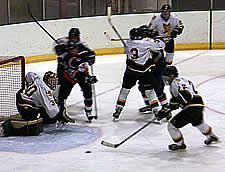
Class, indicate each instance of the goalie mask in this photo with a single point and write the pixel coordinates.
(50, 78)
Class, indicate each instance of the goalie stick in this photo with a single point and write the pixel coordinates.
(105, 143)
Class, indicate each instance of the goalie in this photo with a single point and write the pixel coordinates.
(37, 99)
(36, 105)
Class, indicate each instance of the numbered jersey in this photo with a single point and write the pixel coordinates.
(162, 26)
(139, 53)
(38, 94)
(184, 92)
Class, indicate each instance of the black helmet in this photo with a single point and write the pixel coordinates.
(134, 33)
(170, 70)
(145, 31)
(166, 7)
(74, 31)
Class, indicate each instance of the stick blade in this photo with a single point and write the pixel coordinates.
(108, 144)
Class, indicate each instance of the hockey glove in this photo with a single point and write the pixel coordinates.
(173, 104)
(90, 79)
(163, 113)
(60, 49)
(174, 34)
(91, 58)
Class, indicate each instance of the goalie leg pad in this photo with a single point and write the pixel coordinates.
(14, 127)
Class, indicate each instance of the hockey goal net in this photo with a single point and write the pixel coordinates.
(12, 78)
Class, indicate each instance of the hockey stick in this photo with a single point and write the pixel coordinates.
(94, 94)
(105, 143)
(30, 13)
(113, 39)
(116, 39)
(113, 27)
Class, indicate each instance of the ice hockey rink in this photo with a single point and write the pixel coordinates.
(64, 148)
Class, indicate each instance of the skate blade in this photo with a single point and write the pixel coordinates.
(115, 119)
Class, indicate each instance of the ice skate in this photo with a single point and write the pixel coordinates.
(211, 139)
(117, 113)
(89, 116)
(169, 116)
(175, 147)
(146, 109)
(63, 117)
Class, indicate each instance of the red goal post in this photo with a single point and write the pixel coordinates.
(12, 79)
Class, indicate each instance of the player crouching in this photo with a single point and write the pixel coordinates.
(37, 99)
(186, 97)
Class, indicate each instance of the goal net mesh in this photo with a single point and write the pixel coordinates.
(12, 71)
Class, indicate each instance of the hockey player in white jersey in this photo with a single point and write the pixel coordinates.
(37, 99)
(142, 54)
(36, 105)
(184, 96)
(167, 24)
(146, 32)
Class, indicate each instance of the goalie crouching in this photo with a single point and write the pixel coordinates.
(36, 105)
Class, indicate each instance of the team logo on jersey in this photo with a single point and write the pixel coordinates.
(167, 28)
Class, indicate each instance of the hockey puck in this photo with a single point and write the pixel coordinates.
(88, 152)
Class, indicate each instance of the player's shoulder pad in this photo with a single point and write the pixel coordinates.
(63, 40)
(154, 17)
(174, 16)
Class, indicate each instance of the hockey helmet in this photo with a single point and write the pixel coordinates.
(134, 34)
(74, 31)
(165, 9)
(170, 70)
(145, 31)
(50, 78)
(74, 34)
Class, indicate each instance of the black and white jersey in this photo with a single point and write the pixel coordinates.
(165, 27)
(183, 91)
(38, 94)
(139, 53)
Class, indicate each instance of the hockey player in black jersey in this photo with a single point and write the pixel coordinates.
(75, 57)
(184, 96)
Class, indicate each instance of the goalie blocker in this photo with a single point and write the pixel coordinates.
(19, 127)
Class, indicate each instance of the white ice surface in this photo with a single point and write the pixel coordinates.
(148, 150)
